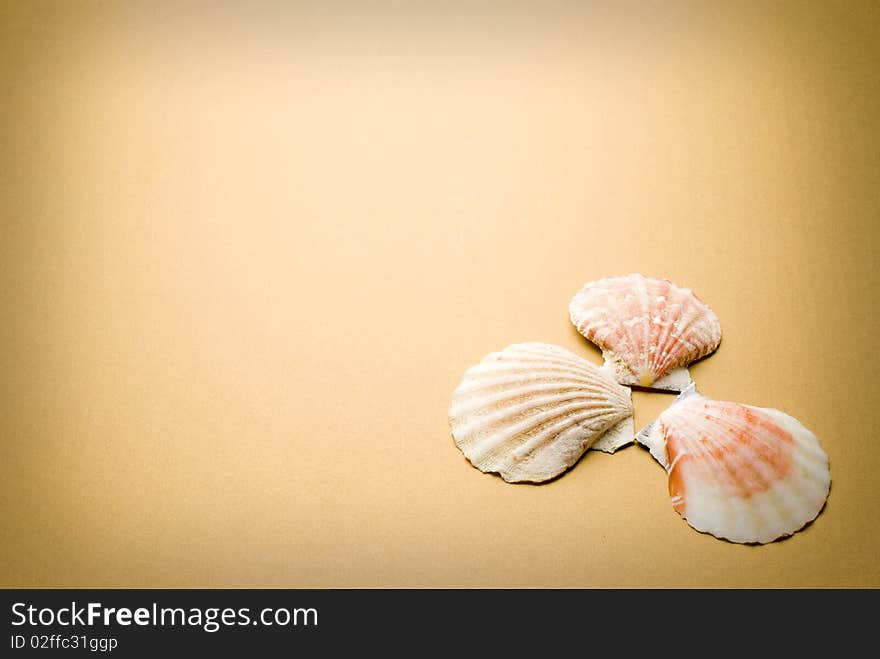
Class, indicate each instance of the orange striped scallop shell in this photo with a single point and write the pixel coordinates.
(649, 330)
(744, 473)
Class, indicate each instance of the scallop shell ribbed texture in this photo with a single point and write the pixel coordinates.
(530, 411)
(744, 473)
(649, 329)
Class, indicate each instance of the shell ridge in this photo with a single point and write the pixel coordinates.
(534, 443)
(536, 424)
(506, 385)
(811, 457)
(675, 338)
(645, 309)
(484, 424)
(802, 435)
(739, 425)
(634, 329)
(580, 368)
(478, 381)
(815, 470)
(781, 501)
(511, 394)
(476, 378)
(663, 357)
(485, 421)
(663, 337)
(693, 449)
(764, 468)
(669, 303)
(495, 423)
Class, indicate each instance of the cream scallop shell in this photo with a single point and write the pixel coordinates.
(530, 411)
(649, 329)
(747, 474)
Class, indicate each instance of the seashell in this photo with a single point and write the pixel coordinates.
(747, 474)
(530, 412)
(649, 330)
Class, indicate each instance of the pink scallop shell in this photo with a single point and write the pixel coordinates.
(649, 330)
(744, 473)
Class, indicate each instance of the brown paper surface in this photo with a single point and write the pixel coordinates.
(248, 250)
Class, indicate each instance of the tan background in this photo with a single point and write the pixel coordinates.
(247, 252)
